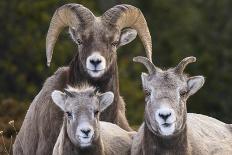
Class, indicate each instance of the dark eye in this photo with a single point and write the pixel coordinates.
(183, 93)
(115, 43)
(147, 93)
(79, 42)
(96, 112)
(69, 114)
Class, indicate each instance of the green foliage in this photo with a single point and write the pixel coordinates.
(178, 28)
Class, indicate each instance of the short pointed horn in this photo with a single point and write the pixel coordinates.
(129, 16)
(72, 15)
(182, 65)
(147, 63)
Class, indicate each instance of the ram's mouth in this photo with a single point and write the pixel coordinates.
(95, 70)
(166, 125)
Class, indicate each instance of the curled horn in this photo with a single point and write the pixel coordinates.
(72, 15)
(181, 66)
(129, 16)
(147, 63)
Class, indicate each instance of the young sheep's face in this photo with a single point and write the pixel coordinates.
(166, 95)
(97, 45)
(82, 114)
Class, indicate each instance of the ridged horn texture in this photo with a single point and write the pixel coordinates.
(129, 16)
(147, 63)
(182, 65)
(72, 15)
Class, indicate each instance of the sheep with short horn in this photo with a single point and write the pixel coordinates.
(82, 132)
(98, 39)
(168, 129)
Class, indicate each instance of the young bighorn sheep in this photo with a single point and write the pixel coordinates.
(168, 129)
(97, 38)
(82, 133)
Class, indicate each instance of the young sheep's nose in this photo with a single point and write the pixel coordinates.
(86, 131)
(164, 116)
(95, 62)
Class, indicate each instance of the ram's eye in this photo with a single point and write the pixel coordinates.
(147, 93)
(69, 114)
(79, 42)
(115, 43)
(96, 112)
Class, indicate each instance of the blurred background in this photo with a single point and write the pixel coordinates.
(178, 28)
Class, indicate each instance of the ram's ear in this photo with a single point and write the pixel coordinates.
(194, 84)
(127, 35)
(106, 99)
(59, 98)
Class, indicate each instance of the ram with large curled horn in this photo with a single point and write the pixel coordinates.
(97, 38)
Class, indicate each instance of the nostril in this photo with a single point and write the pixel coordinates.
(85, 131)
(95, 62)
(92, 61)
(164, 116)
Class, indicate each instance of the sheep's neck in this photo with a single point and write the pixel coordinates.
(175, 145)
(108, 82)
(70, 148)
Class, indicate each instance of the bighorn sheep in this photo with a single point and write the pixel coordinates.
(82, 133)
(95, 62)
(168, 129)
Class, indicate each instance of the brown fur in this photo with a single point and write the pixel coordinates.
(37, 124)
(43, 120)
(37, 133)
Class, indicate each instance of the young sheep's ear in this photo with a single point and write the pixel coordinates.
(194, 84)
(59, 98)
(127, 35)
(105, 100)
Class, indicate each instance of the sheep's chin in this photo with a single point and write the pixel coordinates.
(167, 130)
(85, 145)
(85, 142)
(96, 73)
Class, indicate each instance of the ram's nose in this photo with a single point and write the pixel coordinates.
(95, 62)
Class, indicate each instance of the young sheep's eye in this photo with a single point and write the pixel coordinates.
(79, 42)
(147, 93)
(69, 114)
(96, 112)
(183, 93)
(115, 43)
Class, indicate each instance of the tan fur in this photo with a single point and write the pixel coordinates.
(192, 134)
(206, 136)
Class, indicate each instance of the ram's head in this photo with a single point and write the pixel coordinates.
(98, 38)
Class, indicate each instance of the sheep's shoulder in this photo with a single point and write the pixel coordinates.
(115, 139)
(208, 135)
